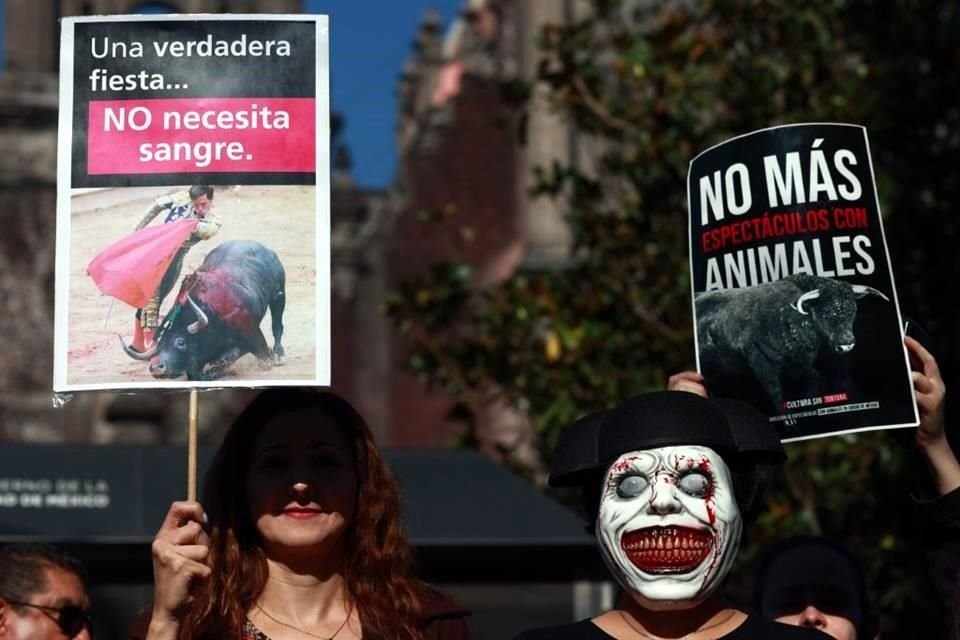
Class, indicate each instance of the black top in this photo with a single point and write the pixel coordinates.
(939, 523)
(753, 628)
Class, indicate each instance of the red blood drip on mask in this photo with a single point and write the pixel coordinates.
(709, 497)
(711, 510)
(705, 463)
(624, 464)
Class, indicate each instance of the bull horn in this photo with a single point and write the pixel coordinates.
(139, 355)
(202, 320)
(809, 295)
(861, 290)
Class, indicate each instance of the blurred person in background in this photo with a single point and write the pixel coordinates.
(43, 594)
(812, 582)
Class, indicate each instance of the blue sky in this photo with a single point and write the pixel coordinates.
(369, 41)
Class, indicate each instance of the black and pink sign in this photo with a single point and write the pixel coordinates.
(193, 202)
(173, 101)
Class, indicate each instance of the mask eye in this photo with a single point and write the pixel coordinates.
(694, 484)
(631, 486)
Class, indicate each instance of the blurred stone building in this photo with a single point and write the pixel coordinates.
(465, 146)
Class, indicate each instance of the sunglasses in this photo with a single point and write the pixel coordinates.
(70, 618)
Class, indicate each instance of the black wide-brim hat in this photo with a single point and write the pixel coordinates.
(662, 419)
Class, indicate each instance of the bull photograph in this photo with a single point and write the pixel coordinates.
(205, 284)
(804, 342)
(795, 308)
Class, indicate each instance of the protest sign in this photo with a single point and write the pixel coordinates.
(795, 308)
(193, 202)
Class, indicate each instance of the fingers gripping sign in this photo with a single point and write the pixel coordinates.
(180, 551)
(688, 381)
(929, 389)
(930, 392)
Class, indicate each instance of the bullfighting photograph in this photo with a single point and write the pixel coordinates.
(160, 295)
(794, 302)
(193, 202)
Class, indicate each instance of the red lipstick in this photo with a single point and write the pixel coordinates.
(301, 513)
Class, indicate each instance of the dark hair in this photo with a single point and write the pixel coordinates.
(198, 190)
(379, 560)
(23, 569)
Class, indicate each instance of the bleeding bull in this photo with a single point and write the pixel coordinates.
(217, 315)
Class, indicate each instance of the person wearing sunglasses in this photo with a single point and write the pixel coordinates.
(43, 594)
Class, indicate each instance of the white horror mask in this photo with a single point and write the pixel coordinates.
(668, 524)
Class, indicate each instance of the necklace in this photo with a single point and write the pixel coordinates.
(643, 633)
(307, 633)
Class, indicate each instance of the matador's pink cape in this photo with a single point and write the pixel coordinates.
(131, 268)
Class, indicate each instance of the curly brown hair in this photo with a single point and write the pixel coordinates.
(379, 560)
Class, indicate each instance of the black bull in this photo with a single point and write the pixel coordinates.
(774, 333)
(217, 316)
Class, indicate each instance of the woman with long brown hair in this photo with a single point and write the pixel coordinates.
(304, 537)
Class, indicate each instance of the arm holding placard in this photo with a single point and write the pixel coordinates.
(931, 437)
(180, 550)
(940, 515)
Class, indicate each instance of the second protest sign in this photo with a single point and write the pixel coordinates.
(794, 301)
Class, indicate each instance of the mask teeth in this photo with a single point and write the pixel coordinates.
(677, 541)
(675, 556)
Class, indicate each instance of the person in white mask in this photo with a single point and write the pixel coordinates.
(668, 479)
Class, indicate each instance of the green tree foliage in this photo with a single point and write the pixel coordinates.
(655, 89)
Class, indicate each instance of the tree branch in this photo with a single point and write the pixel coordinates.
(598, 109)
